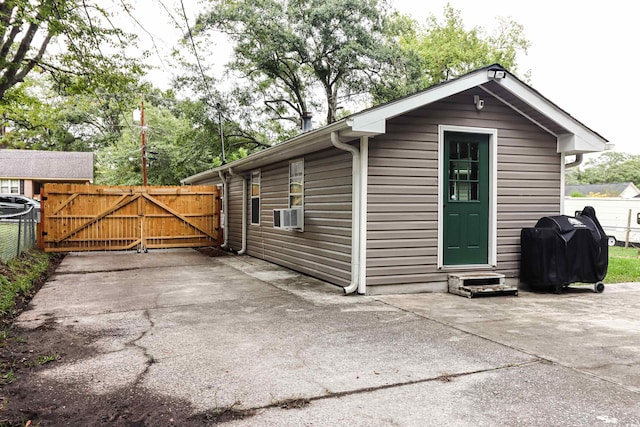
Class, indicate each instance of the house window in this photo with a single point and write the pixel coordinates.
(296, 183)
(255, 197)
(10, 186)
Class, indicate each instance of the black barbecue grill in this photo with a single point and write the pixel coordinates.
(561, 250)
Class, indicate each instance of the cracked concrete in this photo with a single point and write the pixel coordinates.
(236, 332)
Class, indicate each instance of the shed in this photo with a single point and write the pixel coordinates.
(25, 171)
(399, 197)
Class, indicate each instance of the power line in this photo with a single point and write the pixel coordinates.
(195, 50)
(153, 40)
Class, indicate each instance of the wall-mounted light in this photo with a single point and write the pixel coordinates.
(496, 74)
(479, 103)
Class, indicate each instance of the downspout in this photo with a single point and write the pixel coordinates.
(576, 162)
(225, 208)
(244, 211)
(355, 211)
(364, 180)
(563, 169)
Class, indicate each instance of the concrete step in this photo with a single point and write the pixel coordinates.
(471, 284)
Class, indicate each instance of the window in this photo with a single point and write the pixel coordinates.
(10, 186)
(255, 197)
(296, 183)
(464, 164)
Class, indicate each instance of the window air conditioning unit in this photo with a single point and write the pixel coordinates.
(288, 219)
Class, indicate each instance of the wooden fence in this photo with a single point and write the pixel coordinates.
(91, 218)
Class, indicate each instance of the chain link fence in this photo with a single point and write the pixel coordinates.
(18, 231)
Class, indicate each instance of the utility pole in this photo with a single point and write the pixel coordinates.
(144, 146)
(224, 159)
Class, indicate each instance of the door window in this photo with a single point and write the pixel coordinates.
(464, 166)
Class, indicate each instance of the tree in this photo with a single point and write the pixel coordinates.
(64, 78)
(38, 117)
(183, 138)
(89, 51)
(290, 49)
(609, 167)
(438, 51)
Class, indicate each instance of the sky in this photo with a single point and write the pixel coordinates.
(582, 55)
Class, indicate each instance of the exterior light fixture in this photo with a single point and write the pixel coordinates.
(479, 103)
(496, 74)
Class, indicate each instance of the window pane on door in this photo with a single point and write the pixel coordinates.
(464, 171)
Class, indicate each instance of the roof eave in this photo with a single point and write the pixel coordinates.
(580, 138)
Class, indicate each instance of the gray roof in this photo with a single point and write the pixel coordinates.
(46, 165)
(615, 188)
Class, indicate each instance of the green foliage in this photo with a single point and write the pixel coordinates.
(438, 51)
(624, 265)
(609, 167)
(41, 119)
(82, 34)
(577, 194)
(17, 277)
(7, 378)
(182, 139)
(69, 97)
(289, 50)
(46, 358)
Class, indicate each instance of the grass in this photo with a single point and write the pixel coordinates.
(8, 233)
(624, 265)
(46, 358)
(18, 276)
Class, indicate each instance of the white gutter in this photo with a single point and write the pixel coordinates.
(225, 208)
(244, 211)
(364, 175)
(576, 162)
(355, 212)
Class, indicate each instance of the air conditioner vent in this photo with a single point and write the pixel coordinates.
(288, 219)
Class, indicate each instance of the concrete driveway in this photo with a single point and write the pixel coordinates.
(236, 332)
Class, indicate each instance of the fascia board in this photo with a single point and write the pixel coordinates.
(583, 140)
(374, 121)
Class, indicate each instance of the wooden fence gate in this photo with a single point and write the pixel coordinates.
(94, 218)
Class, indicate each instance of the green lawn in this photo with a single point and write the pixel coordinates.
(624, 265)
(17, 278)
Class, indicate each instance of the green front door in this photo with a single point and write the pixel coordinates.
(466, 199)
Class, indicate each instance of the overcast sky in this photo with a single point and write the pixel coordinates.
(582, 58)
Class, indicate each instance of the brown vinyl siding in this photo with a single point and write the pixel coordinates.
(323, 250)
(403, 202)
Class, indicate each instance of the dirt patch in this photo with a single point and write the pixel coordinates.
(212, 251)
(27, 396)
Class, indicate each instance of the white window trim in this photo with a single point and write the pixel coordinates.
(493, 195)
(10, 185)
(251, 197)
(289, 183)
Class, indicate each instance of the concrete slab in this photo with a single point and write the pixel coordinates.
(595, 333)
(536, 394)
(236, 332)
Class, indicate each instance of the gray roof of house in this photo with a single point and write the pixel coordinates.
(46, 165)
(586, 189)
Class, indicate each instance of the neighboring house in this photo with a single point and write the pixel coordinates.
(624, 190)
(25, 171)
(397, 198)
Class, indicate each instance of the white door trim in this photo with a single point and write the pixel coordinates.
(493, 191)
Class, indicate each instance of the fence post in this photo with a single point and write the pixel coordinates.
(626, 240)
(19, 233)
